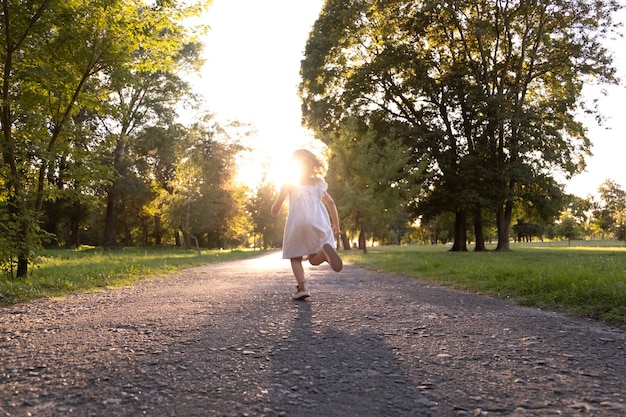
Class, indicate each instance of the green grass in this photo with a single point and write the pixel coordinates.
(582, 280)
(587, 280)
(59, 272)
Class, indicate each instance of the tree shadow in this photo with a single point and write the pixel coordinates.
(321, 371)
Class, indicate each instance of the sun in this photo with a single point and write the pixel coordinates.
(285, 170)
(269, 158)
(276, 169)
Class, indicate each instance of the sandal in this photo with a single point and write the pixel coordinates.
(332, 257)
(301, 295)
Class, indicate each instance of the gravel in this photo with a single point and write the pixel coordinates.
(227, 340)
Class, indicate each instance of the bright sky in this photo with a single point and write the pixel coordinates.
(252, 71)
(253, 53)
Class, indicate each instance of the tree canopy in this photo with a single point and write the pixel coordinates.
(77, 77)
(487, 92)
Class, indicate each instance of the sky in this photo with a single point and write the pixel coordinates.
(251, 74)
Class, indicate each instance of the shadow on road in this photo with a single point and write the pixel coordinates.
(319, 371)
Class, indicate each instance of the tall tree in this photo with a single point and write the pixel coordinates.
(489, 89)
(144, 93)
(202, 201)
(22, 33)
(269, 228)
(366, 176)
(56, 59)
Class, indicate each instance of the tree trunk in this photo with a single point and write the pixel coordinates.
(504, 224)
(74, 239)
(110, 219)
(24, 237)
(478, 231)
(460, 232)
(186, 240)
(158, 231)
(195, 239)
(111, 213)
(362, 242)
(19, 210)
(16, 206)
(345, 242)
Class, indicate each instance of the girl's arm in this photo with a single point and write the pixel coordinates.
(332, 210)
(280, 199)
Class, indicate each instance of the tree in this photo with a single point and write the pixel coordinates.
(366, 177)
(144, 93)
(620, 226)
(487, 90)
(56, 59)
(201, 203)
(269, 228)
(568, 228)
(580, 208)
(611, 203)
(524, 231)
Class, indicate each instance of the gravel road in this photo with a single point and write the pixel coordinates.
(227, 340)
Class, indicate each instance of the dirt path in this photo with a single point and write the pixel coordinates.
(226, 340)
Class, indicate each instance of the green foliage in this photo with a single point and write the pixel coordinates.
(366, 176)
(12, 246)
(63, 64)
(486, 92)
(202, 199)
(60, 272)
(269, 228)
(588, 281)
(609, 208)
(568, 228)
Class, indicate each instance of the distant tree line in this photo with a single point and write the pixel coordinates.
(596, 217)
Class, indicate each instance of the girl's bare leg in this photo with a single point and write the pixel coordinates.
(317, 258)
(328, 254)
(298, 272)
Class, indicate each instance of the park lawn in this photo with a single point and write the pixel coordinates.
(582, 280)
(59, 272)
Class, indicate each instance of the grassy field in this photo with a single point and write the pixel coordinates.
(586, 278)
(59, 272)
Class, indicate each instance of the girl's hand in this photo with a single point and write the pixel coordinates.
(336, 230)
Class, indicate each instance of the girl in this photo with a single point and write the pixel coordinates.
(308, 232)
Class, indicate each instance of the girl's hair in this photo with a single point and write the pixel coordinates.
(310, 162)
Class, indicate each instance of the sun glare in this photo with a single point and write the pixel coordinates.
(270, 157)
(277, 170)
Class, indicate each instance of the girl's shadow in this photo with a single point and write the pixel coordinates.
(321, 371)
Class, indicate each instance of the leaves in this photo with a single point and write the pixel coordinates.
(62, 65)
(488, 90)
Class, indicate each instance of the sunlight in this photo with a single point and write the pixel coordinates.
(277, 169)
(270, 158)
(284, 171)
(238, 88)
(257, 166)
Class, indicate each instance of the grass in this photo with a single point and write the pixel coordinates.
(587, 280)
(59, 272)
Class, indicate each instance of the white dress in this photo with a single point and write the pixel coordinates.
(308, 225)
